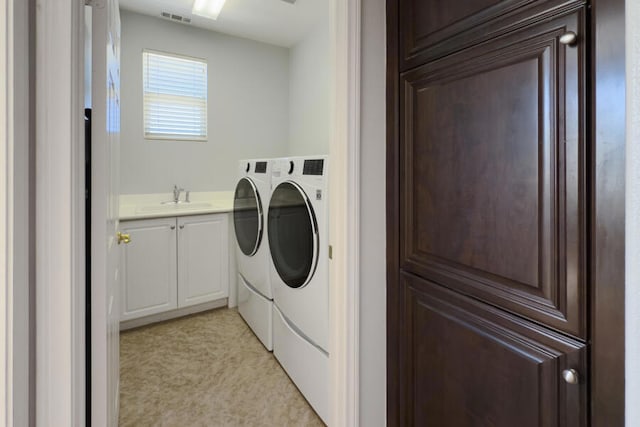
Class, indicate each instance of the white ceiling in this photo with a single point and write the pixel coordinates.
(270, 21)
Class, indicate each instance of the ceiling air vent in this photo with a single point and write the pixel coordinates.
(178, 18)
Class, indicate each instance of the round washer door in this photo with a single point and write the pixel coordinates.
(247, 216)
(293, 234)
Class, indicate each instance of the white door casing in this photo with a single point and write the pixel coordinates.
(6, 349)
(15, 233)
(59, 217)
(105, 248)
(59, 265)
(344, 188)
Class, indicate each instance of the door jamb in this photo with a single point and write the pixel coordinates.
(60, 222)
(15, 206)
(6, 206)
(60, 218)
(607, 213)
(344, 303)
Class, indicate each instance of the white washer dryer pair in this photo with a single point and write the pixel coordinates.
(298, 241)
(283, 280)
(251, 199)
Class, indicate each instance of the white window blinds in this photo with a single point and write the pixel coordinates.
(175, 97)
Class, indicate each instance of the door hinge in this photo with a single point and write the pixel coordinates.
(99, 4)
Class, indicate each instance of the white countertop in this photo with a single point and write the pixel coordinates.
(144, 206)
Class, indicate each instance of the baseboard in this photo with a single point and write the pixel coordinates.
(173, 314)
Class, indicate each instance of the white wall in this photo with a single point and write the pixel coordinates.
(373, 369)
(309, 71)
(632, 274)
(247, 108)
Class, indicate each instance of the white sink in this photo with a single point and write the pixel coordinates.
(174, 207)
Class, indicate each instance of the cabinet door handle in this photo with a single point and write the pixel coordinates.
(173, 227)
(123, 238)
(569, 38)
(181, 227)
(570, 376)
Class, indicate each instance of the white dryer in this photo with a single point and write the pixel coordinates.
(255, 296)
(297, 224)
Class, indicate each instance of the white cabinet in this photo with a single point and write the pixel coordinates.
(203, 266)
(149, 274)
(173, 263)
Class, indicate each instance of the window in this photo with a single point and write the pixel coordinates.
(175, 97)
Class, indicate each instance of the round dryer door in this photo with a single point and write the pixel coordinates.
(247, 216)
(293, 234)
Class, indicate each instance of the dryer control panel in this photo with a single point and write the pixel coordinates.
(313, 167)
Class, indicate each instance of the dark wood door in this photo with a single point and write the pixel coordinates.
(469, 364)
(488, 214)
(492, 164)
(434, 28)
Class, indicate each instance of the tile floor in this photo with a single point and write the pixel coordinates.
(205, 370)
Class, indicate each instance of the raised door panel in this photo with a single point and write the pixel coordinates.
(465, 363)
(203, 259)
(493, 174)
(432, 29)
(149, 278)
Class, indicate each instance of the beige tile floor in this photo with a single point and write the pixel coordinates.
(205, 370)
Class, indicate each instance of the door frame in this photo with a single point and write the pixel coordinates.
(60, 221)
(606, 214)
(344, 237)
(607, 225)
(16, 234)
(6, 206)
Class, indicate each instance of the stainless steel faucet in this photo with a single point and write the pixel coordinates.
(176, 193)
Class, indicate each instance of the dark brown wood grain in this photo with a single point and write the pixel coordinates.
(607, 208)
(394, 292)
(493, 174)
(435, 28)
(505, 212)
(468, 364)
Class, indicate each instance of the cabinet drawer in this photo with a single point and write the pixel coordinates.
(492, 190)
(431, 29)
(469, 364)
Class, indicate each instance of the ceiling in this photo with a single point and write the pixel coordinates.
(271, 21)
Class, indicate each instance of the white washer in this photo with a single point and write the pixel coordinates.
(297, 224)
(255, 296)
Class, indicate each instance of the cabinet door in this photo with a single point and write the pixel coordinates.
(493, 190)
(432, 29)
(469, 364)
(203, 266)
(149, 268)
